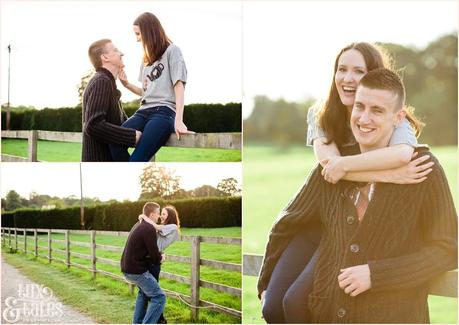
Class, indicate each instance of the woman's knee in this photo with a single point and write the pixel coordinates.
(272, 311)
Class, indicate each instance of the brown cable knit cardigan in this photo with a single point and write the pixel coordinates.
(408, 235)
(102, 117)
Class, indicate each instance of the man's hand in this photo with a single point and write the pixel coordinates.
(355, 279)
(163, 257)
(333, 170)
(138, 135)
(180, 128)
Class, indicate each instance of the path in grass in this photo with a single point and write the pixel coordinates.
(12, 282)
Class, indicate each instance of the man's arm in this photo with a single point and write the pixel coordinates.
(96, 124)
(149, 238)
(304, 207)
(439, 227)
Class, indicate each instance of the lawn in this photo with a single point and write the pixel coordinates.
(71, 152)
(123, 303)
(271, 177)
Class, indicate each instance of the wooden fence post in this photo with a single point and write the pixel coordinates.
(32, 142)
(9, 237)
(49, 245)
(25, 241)
(16, 239)
(35, 238)
(93, 253)
(195, 268)
(67, 248)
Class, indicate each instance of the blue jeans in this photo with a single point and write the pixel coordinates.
(141, 302)
(286, 298)
(156, 125)
(157, 298)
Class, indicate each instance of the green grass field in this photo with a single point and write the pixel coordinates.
(71, 152)
(271, 178)
(121, 307)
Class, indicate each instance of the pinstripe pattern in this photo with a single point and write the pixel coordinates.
(102, 118)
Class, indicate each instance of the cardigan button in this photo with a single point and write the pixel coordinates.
(355, 248)
(341, 312)
(350, 220)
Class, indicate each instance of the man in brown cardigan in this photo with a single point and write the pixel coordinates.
(102, 111)
(381, 243)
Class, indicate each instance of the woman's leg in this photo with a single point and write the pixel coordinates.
(295, 302)
(136, 121)
(159, 126)
(290, 265)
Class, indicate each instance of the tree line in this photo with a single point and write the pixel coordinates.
(155, 181)
(430, 78)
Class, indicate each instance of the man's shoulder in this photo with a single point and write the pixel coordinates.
(99, 78)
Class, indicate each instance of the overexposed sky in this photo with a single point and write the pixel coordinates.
(289, 47)
(104, 180)
(50, 40)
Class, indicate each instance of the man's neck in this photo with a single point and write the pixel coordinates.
(114, 70)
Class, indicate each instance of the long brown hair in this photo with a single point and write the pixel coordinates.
(154, 38)
(333, 117)
(172, 216)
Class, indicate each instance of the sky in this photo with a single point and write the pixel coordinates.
(50, 40)
(106, 181)
(289, 48)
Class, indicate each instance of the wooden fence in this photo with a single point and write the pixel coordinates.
(198, 140)
(444, 285)
(10, 239)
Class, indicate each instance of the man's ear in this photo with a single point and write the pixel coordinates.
(399, 116)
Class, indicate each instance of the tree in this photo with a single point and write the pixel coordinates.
(205, 191)
(83, 83)
(229, 187)
(13, 201)
(158, 182)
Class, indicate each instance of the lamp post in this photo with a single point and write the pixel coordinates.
(8, 115)
(81, 201)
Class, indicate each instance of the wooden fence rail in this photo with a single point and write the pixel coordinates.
(11, 234)
(198, 140)
(443, 285)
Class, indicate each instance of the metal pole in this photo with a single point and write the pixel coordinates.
(81, 201)
(8, 115)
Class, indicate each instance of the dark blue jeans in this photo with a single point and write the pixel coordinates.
(150, 313)
(141, 303)
(156, 125)
(286, 298)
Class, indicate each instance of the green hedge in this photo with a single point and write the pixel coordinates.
(199, 213)
(197, 117)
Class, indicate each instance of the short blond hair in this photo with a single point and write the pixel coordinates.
(95, 50)
(150, 207)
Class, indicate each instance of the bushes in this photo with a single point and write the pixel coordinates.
(202, 213)
(197, 117)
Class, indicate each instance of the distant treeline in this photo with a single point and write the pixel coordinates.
(198, 117)
(203, 213)
(430, 78)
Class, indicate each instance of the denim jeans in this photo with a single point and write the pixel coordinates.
(286, 298)
(156, 125)
(151, 289)
(141, 302)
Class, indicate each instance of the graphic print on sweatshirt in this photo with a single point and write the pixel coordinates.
(155, 73)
